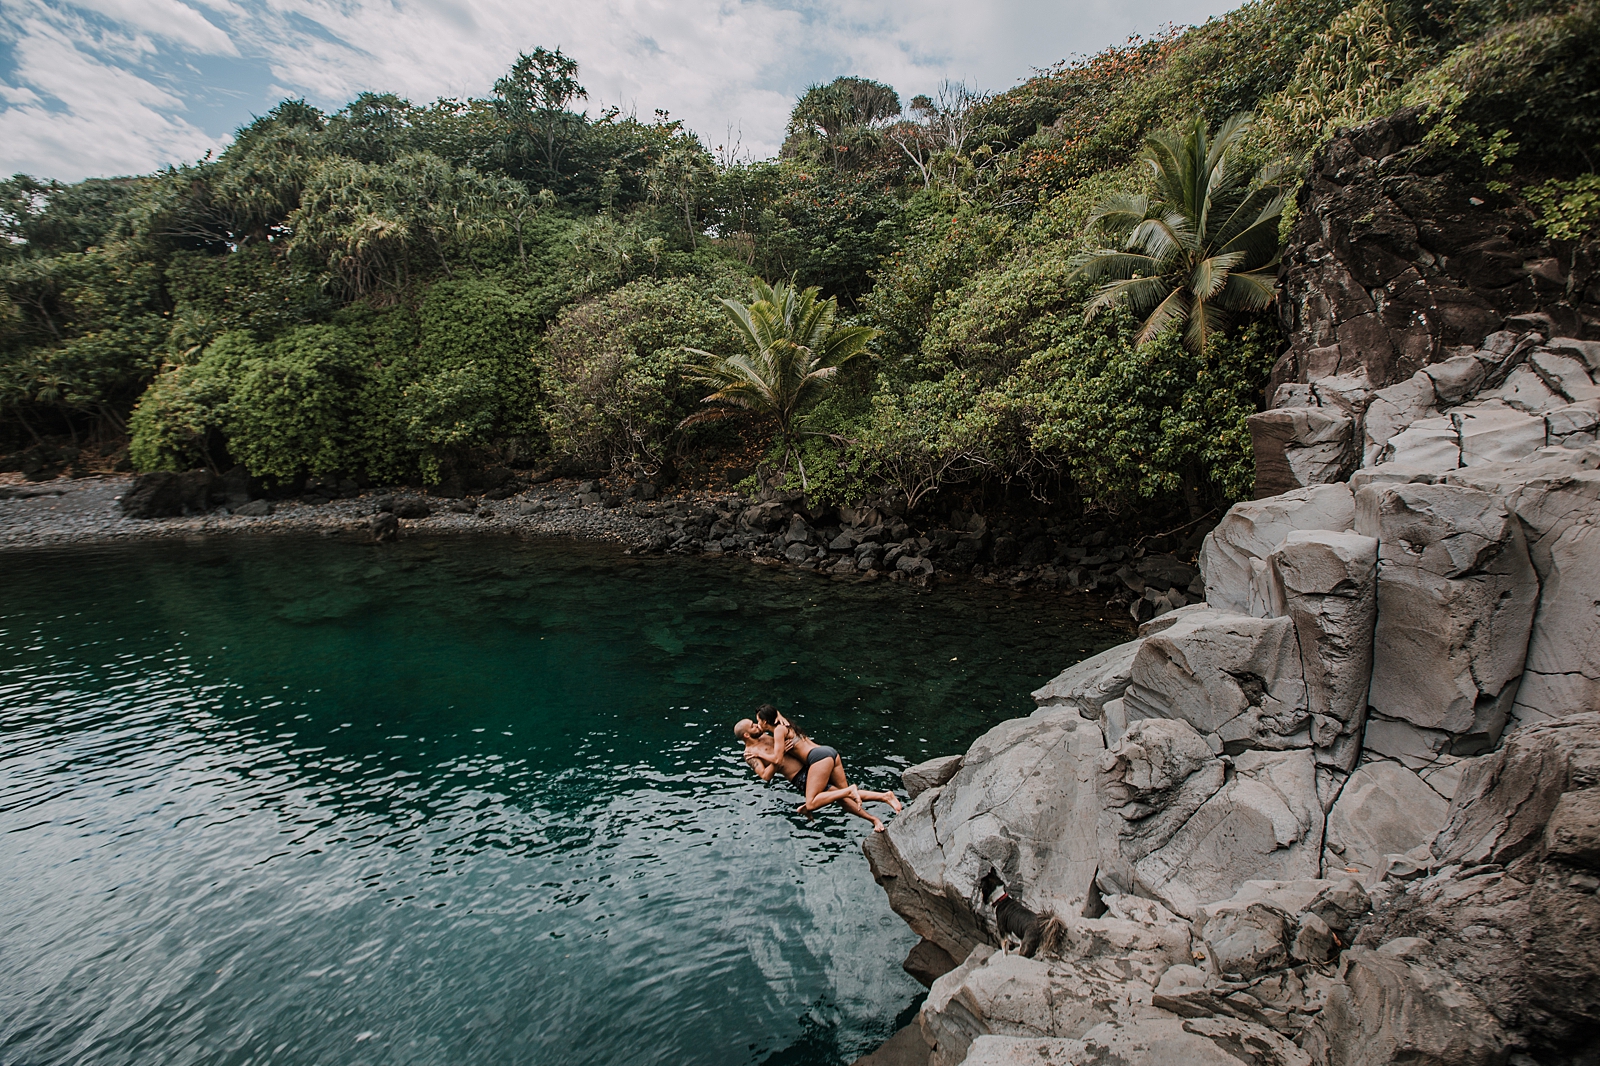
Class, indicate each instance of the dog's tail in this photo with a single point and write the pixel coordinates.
(1052, 935)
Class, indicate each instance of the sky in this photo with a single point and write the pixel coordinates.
(109, 87)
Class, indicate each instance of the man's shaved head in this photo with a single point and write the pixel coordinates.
(741, 728)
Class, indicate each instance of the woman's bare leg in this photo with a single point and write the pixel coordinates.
(837, 779)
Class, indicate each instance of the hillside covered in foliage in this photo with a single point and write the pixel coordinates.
(401, 292)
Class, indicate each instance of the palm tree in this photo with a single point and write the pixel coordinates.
(792, 353)
(1204, 245)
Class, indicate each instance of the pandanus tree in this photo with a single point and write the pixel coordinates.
(793, 349)
(1201, 247)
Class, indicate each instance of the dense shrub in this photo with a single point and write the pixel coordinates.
(613, 366)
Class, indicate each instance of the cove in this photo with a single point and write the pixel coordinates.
(465, 801)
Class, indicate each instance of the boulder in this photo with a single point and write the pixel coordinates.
(1573, 832)
(1245, 941)
(412, 507)
(1396, 407)
(1250, 531)
(1427, 443)
(988, 993)
(1566, 375)
(1296, 447)
(1091, 684)
(1387, 1009)
(1383, 809)
(166, 495)
(1495, 433)
(1456, 595)
(1152, 780)
(1505, 799)
(1264, 823)
(1455, 379)
(1588, 351)
(1023, 803)
(383, 526)
(254, 509)
(1328, 583)
(1526, 391)
(1573, 420)
(930, 774)
(927, 962)
(1226, 674)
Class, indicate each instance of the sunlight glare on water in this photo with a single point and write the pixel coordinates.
(462, 802)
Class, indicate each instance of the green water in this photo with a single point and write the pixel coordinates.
(461, 802)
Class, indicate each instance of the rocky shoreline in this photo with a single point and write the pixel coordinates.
(867, 543)
(1345, 811)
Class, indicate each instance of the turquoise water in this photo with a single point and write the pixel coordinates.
(466, 802)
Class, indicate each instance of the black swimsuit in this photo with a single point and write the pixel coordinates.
(816, 755)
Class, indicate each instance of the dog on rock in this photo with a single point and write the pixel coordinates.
(1013, 922)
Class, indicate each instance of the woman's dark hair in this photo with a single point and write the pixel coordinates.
(769, 714)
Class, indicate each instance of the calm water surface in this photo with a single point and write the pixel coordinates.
(461, 803)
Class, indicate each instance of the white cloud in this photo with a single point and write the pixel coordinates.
(108, 120)
(714, 63)
(165, 18)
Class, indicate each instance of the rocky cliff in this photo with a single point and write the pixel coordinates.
(1347, 809)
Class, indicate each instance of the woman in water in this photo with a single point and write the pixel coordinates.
(814, 769)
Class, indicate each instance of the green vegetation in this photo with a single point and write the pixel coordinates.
(408, 292)
(792, 352)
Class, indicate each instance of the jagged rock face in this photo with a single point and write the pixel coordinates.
(1557, 499)
(1384, 809)
(1505, 799)
(1327, 585)
(1387, 268)
(1456, 598)
(1236, 679)
(1023, 803)
(1388, 1009)
(1176, 827)
(1235, 552)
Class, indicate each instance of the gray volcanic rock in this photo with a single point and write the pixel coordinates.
(1229, 675)
(1384, 809)
(1264, 823)
(1152, 780)
(1505, 799)
(1295, 447)
(1388, 1009)
(1022, 803)
(1237, 548)
(1329, 587)
(1146, 1042)
(1394, 408)
(930, 774)
(1456, 596)
(1091, 684)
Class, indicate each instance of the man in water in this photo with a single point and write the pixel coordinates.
(762, 754)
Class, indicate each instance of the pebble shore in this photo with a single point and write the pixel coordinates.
(67, 511)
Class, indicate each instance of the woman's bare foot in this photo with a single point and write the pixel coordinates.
(879, 827)
(894, 801)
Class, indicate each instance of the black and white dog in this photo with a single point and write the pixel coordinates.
(1012, 921)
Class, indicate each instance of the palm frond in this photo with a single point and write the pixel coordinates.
(1168, 313)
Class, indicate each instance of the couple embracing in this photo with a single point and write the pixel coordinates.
(773, 745)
